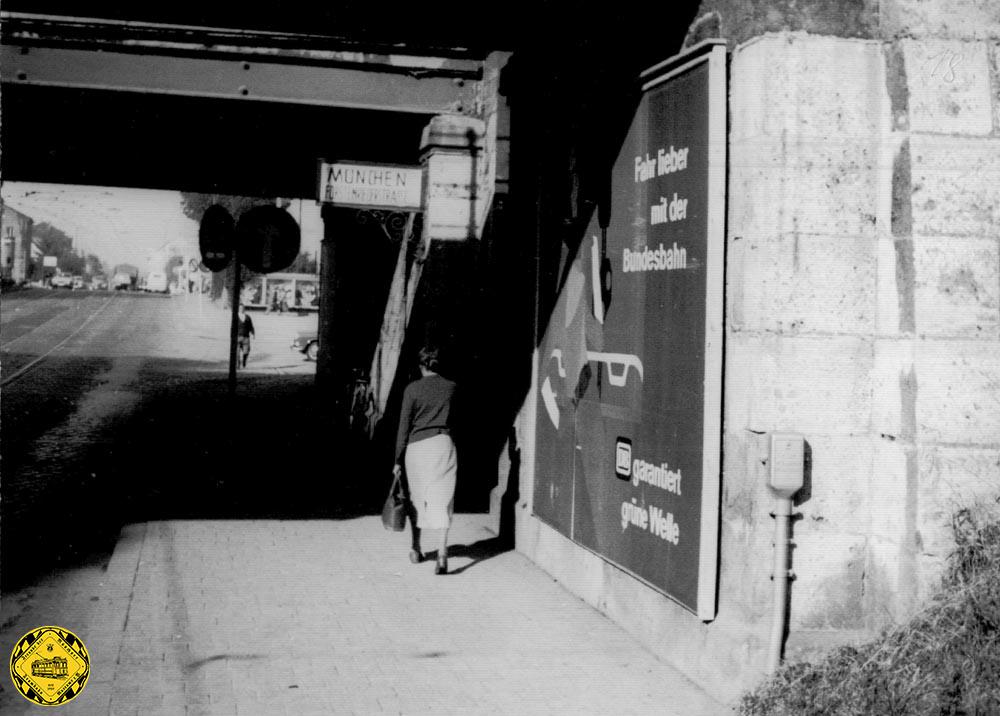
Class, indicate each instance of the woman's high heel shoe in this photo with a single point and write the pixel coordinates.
(442, 566)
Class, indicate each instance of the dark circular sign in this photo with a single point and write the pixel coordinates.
(216, 237)
(268, 239)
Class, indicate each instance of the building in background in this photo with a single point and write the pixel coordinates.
(15, 245)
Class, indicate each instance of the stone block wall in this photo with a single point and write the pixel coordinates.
(863, 278)
(863, 311)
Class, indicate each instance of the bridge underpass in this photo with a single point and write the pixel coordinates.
(96, 101)
(146, 128)
(248, 112)
(186, 97)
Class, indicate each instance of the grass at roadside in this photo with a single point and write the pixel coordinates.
(945, 660)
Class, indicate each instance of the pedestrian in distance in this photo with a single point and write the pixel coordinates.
(424, 446)
(244, 330)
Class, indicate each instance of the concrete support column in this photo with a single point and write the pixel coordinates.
(455, 202)
(455, 193)
(458, 191)
(329, 369)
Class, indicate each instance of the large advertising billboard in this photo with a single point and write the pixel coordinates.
(630, 375)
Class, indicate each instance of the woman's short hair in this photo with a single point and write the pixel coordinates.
(428, 358)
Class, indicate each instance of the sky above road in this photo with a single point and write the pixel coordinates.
(134, 226)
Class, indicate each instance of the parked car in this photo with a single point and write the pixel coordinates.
(307, 343)
(62, 281)
(78, 283)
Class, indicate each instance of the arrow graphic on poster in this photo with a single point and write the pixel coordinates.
(549, 399)
(595, 279)
(621, 361)
(557, 354)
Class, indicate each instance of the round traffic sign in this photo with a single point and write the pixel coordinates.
(216, 237)
(268, 237)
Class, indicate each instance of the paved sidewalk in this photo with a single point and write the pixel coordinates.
(206, 326)
(329, 617)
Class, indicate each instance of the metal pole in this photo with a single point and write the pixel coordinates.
(327, 363)
(234, 322)
(780, 574)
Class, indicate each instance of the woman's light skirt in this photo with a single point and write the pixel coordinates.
(431, 466)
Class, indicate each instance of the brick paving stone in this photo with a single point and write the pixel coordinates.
(329, 617)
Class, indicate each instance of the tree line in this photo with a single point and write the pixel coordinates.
(52, 241)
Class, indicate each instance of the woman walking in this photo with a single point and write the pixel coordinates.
(244, 330)
(424, 445)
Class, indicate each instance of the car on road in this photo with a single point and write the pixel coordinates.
(78, 283)
(156, 282)
(307, 343)
(62, 281)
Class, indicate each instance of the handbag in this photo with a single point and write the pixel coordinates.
(395, 507)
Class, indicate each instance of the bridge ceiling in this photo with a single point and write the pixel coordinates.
(129, 99)
(73, 136)
(190, 95)
(444, 26)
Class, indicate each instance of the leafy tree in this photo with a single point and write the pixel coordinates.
(194, 205)
(51, 240)
(305, 262)
(168, 267)
(94, 265)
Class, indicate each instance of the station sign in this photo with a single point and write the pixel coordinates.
(370, 186)
(629, 420)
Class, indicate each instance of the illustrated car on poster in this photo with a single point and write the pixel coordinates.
(307, 343)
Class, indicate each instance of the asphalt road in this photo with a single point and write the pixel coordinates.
(196, 541)
(115, 409)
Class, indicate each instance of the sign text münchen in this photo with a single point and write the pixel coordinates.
(370, 185)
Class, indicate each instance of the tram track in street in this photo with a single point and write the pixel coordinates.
(24, 370)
